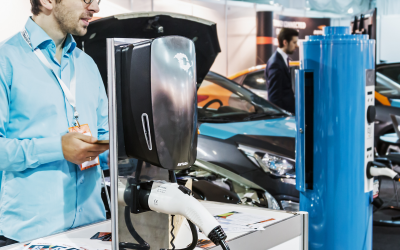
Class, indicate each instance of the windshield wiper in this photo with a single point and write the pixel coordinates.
(256, 116)
(214, 119)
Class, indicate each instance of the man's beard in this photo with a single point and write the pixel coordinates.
(68, 21)
(290, 52)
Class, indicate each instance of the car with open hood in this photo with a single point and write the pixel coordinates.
(246, 135)
(249, 136)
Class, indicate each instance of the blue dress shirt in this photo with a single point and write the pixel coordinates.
(41, 193)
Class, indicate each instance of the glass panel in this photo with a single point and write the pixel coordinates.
(392, 72)
(219, 98)
(215, 97)
(256, 80)
(386, 86)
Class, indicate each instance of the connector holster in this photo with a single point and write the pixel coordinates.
(136, 196)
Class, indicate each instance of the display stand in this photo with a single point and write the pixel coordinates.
(289, 231)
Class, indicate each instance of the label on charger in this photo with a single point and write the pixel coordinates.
(376, 189)
(157, 184)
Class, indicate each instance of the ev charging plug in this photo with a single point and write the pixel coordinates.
(379, 169)
(171, 198)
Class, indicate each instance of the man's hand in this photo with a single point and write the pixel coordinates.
(78, 148)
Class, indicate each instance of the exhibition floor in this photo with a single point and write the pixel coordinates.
(386, 237)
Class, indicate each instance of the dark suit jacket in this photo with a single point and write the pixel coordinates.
(279, 84)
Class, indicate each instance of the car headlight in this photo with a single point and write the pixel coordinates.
(290, 206)
(269, 162)
(272, 203)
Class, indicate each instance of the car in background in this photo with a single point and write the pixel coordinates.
(247, 135)
(214, 183)
(387, 95)
(387, 90)
(254, 78)
(387, 102)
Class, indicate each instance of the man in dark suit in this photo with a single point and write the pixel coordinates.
(277, 71)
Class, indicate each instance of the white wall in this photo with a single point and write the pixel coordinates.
(388, 7)
(15, 13)
(388, 38)
(13, 16)
(241, 33)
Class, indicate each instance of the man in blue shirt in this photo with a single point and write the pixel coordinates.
(43, 190)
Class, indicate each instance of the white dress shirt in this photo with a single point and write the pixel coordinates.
(284, 55)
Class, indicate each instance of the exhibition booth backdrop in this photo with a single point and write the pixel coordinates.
(236, 22)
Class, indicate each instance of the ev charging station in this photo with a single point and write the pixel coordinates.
(335, 138)
(153, 117)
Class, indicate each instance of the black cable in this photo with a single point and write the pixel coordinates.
(172, 176)
(224, 245)
(143, 245)
(138, 170)
(172, 232)
(195, 237)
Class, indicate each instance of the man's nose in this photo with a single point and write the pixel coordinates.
(94, 6)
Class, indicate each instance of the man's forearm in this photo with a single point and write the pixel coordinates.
(18, 155)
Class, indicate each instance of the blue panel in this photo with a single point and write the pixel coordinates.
(336, 30)
(340, 212)
(395, 103)
(285, 127)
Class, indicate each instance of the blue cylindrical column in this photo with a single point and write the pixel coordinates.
(338, 195)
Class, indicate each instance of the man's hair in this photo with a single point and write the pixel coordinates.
(35, 9)
(286, 34)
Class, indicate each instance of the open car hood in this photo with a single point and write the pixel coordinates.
(148, 25)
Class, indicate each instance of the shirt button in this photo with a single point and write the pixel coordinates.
(80, 209)
(81, 181)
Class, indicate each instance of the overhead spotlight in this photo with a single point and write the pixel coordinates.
(350, 11)
(271, 2)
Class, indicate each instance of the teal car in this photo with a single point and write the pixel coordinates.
(249, 136)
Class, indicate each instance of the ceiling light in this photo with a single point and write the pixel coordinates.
(350, 11)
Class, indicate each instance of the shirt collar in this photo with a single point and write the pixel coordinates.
(69, 44)
(283, 54)
(38, 36)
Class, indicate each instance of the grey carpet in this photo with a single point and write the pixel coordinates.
(385, 237)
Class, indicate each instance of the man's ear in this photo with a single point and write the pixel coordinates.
(47, 5)
(285, 43)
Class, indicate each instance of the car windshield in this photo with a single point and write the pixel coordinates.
(255, 80)
(388, 81)
(222, 100)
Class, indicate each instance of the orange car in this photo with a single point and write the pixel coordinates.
(253, 78)
(210, 91)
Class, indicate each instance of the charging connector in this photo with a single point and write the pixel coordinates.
(380, 169)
